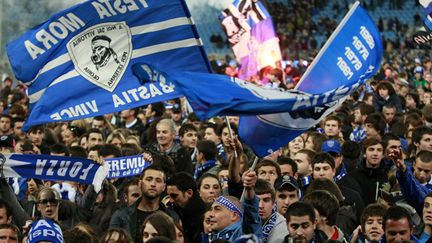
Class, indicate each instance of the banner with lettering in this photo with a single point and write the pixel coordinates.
(77, 64)
(53, 168)
(351, 56)
(126, 166)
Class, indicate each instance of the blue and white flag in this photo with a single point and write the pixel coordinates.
(219, 95)
(427, 5)
(126, 166)
(351, 56)
(53, 168)
(77, 64)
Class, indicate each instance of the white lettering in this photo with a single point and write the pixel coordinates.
(50, 171)
(33, 50)
(40, 164)
(85, 172)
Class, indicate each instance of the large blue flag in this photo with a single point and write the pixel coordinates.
(427, 5)
(351, 56)
(219, 95)
(77, 64)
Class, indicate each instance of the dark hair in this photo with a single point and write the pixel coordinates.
(109, 149)
(158, 108)
(153, 167)
(208, 148)
(333, 118)
(59, 148)
(267, 162)
(418, 133)
(397, 213)
(321, 158)
(186, 128)
(317, 138)
(370, 211)
(163, 223)
(326, 185)
(95, 130)
(371, 142)
(299, 209)
(124, 236)
(78, 151)
(129, 149)
(183, 181)
(283, 160)
(351, 150)
(385, 85)
(5, 205)
(14, 228)
(262, 187)
(365, 109)
(425, 156)
(387, 138)
(76, 235)
(308, 152)
(325, 203)
(207, 175)
(234, 128)
(377, 121)
(132, 182)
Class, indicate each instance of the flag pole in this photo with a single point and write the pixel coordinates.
(230, 134)
(251, 168)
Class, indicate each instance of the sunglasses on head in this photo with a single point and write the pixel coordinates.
(49, 200)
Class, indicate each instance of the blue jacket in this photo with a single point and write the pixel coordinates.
(249, 224)
(411, 189)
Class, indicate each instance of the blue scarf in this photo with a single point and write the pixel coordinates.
(269, 225)
(342, 174)
(200, 168)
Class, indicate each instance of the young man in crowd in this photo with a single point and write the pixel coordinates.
(188, 135)
(398, 225)
(287, 192)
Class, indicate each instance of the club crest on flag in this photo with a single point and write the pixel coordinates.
(102, 53)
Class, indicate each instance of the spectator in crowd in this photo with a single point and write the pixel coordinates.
(398, 225)
(209, 187)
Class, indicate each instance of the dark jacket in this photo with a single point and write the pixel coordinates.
(126, 218)
(380, 102)
(192, 217)
(371, 180)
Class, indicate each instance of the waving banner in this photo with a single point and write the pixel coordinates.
(126, 166)
(77, 64)
(54, 168)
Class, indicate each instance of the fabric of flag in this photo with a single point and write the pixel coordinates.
(250, 31)
(427, 5)
(77, 64)
(219, 95)
(351, 56)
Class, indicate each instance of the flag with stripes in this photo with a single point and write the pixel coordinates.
(250, 31)
(427, 5)
(78, 63)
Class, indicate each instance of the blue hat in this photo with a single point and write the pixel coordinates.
(331, 146)
(45, 229)
(418, 69)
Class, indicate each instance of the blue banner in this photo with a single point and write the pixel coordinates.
(54, 168)
(351, 56)
(126, 166)
(219, 95)
(77, 64)
(427, 5)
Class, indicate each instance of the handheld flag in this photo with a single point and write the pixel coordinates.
(250, 31)
(77, 64)
(351, 56)
(126, 166)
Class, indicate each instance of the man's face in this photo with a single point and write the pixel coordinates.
(125, 115)
(189, 139)
(36, 137)
(389, 114)
(164, 135)
(427, 211)
(397, 230)
(225, 137)
(422, 170)
(4, 219)
(94, 139)
(374, 228)
(303, 166)
(392, 146)
(17, 130)
(286, 169)
(152, 184)
(178, 197)
(425, 142)
(268, 173)
(358, 119)
(285, 198)
(134, 192)
(331, 128)
(5, 124)
(374, 155)
(371, 131)
(210, 134)
(8, 236)
(98, 124)
(323, 170)
(301, 229)
(210, 189)
(220, 217)
(265, 206)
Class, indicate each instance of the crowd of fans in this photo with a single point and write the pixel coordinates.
(362, 175)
